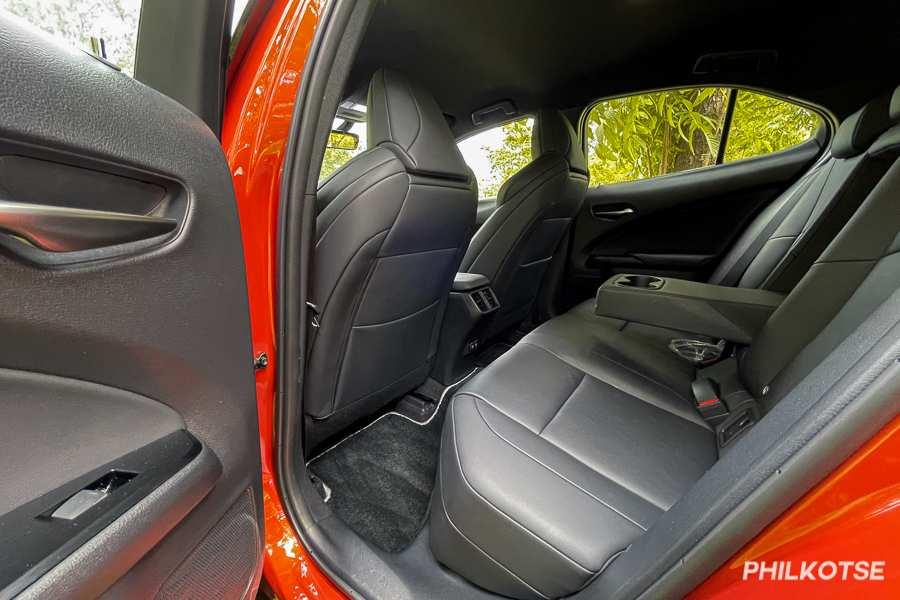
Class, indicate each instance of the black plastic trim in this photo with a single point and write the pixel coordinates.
(33, 542)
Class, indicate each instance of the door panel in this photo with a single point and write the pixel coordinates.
(126, 370)
(678, 225)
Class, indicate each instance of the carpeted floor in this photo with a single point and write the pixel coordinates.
(381, 478)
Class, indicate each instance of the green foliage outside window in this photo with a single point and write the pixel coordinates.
(648, 135)
(510, 157)
(762, 124)
(654, 134)
(334, 159)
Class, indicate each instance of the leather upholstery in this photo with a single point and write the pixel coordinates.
(894, 109)
(403, 116)
(389, 239)
(567, 452)
(866, 249)
(566, 488)
(860, 129)
(822, 201)
(554, 134)
(535, 208)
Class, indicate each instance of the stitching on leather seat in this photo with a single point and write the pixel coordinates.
(479, 548)
(415, 313)
(562, 404)
(418, 121)
(355, 197)
(500, 512)
(638, 373)
(510, 211)
(370, 152)
(387, 109)
(563, 477)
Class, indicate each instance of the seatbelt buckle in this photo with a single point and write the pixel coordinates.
(707, 400)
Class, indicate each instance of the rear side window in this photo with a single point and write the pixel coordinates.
(762, 124)
(496, 154)
(658, 133)
(105, 27)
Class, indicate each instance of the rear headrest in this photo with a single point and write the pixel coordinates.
(895, 106)
(553, 133)
(407, 117)
(860, 129)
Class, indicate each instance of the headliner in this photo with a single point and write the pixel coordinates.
(473, 53)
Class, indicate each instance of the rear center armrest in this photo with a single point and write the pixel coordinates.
(729, 313)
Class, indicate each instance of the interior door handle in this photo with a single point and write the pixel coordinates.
(62, 229)
(611, 214)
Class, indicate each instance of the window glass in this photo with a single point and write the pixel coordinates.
(75, 22)
(647, 135)
(238, 10)
(496, 154)
(657, 133)
(335, 158)
(762, 124)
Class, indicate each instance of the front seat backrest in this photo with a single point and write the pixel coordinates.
(535, 208)
(390, 234)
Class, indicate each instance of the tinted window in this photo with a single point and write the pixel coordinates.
(495, 154)
(647, 135)
(335, 158)
(657, 133)
(75, 22)
(762, 124)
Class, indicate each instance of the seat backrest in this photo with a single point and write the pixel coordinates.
(535, 208)
(391, 231)
(779, 246)
(853, 276)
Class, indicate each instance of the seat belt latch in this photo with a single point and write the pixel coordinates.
(707, 400)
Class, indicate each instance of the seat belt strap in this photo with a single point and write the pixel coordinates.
(737, 270)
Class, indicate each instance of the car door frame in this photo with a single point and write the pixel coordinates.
(158, 327)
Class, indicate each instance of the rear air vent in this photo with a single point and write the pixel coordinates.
(479, 301)
(485, 300)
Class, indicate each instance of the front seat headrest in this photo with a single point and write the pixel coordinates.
(553, 133)
(859, 130)
(405, 116)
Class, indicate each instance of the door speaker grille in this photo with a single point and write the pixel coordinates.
(225, 563)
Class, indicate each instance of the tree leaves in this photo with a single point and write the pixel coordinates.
(647, 135)
(763, 124)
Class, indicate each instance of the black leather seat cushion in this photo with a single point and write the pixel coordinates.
(556, 458)
(572, 446)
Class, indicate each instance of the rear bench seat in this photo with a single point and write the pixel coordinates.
(779, 246)
(568, 448)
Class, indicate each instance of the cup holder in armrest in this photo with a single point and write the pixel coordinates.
(647, 282)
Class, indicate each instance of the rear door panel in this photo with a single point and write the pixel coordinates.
(678, 225)
(113, 348)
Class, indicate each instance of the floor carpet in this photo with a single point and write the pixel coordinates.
(380, 479)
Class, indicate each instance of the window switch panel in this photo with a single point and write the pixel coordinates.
(78, 504)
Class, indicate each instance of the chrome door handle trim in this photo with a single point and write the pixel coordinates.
(611, 214)
(63, 229)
